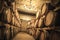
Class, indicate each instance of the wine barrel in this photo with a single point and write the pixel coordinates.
(50, 35)
(40, 22)
(55, 35)
(41, 14)
(7, 32)
(50, 18)
(43, 35)
(44, 9)
(23, 36)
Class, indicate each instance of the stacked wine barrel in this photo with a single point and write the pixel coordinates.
(10, 22)
(52, 17)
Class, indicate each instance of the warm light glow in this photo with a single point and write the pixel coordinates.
(26, 18)
(27, 8)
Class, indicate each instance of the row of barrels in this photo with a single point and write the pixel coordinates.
(49, 35)
(9, 21)
(14, 34)
(44, 35)
(49, 16)
(7, 32)
(52, 17)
